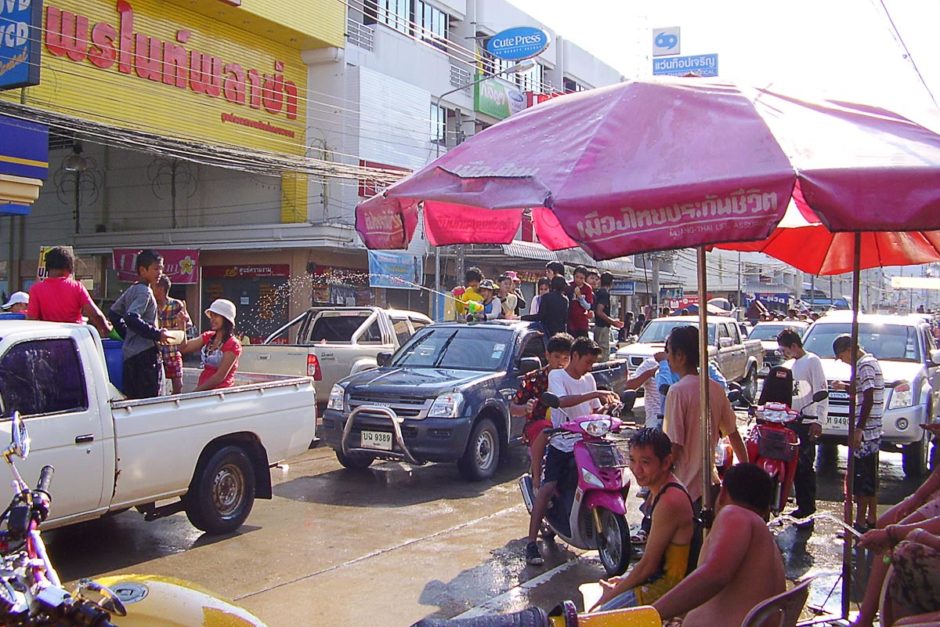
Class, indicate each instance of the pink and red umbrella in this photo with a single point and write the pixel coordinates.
(643, 166)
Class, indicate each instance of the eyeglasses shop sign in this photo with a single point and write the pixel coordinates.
(518, 44)
(20, 24)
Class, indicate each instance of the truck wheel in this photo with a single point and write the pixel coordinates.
(354, 461)
(222, 492)
(914, 458)
(749, 385)
(613, 542)
(482, 456)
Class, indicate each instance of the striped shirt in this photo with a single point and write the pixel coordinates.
(869, 377)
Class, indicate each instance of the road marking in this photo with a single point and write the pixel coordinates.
(382, 551)
(497, 603)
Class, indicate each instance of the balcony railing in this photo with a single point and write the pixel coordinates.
(459, 76)
(360, 35)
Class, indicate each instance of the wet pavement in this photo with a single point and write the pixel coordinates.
(394, 544)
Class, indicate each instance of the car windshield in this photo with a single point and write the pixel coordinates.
(464, 348)
(657, 331)
(895, 342)
(769, 332)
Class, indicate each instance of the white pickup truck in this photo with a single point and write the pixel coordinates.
(738, 358)
(205, 453)
(330, 343)
(910, 363)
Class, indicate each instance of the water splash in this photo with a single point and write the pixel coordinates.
(784, 518)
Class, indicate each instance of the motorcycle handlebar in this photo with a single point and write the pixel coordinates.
(45, 478)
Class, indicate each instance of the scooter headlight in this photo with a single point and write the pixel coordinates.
(597, 428)
(591, 479)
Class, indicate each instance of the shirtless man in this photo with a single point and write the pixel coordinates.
(740, 565)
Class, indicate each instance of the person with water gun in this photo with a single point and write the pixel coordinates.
(468, 293)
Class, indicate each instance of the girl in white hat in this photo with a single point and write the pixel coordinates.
(219, 347)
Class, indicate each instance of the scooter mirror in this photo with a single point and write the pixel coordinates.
(19, 437)
(821, 395)
(550, 400)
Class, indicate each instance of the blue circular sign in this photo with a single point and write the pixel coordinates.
(518, 44)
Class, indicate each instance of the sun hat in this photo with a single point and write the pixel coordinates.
(16, 298)
(224, 308)
(487, 284)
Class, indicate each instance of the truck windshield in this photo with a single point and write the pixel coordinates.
(467, 348)
(769, 332)
(894, 342)
(657, 331)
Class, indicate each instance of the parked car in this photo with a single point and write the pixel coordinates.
(208, 453)
(910, 362)
(738, 359)
(767, 333)
(329, 343)
(443, 397)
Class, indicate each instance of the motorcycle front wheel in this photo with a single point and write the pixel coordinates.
(613, 542)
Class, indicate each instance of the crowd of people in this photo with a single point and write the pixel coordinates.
(739, 565)
(144, 318)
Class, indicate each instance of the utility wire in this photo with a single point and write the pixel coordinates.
(907, 52)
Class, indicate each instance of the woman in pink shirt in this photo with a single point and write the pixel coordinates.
(218, 347)
(60, 298)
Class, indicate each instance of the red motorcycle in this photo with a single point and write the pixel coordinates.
(770, 443)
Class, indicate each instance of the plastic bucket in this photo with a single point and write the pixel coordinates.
(114, 360)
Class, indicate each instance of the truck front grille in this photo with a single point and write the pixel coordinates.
(404, 406)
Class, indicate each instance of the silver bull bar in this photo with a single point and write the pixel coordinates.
(396, 421)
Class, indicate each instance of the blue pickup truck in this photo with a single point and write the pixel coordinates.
(443, 397)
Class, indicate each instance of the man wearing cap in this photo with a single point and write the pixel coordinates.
(219, 347)
(15, 307)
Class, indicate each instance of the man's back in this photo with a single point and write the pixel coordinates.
(684, 427)
(756, 577)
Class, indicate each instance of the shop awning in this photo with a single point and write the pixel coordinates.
(571, 257)
(528, 250)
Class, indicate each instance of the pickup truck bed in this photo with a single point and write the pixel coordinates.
(209, 452)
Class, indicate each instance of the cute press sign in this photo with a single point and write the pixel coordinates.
(20, 25)
(518, 44)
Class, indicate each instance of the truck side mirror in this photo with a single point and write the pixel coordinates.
(383, 359)
(529, 364)
(935, 357)
(724, 342)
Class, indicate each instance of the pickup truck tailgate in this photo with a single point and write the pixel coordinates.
(275, 359)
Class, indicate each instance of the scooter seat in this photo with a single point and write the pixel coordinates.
(529, 617)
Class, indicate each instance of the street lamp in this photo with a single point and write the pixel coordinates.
(518, 68)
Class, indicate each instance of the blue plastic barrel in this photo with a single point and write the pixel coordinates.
(114, 359)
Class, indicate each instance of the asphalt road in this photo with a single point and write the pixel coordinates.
(395, 544)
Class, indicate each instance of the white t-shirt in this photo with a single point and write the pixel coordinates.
(653, 400)
(808, 369)
(561, 384)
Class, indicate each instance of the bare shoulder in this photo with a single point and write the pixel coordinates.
(738, 517)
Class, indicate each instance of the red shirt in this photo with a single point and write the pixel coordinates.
(212, 359)
(57, 299)
(577, 315)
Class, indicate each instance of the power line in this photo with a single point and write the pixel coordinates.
(907, 53)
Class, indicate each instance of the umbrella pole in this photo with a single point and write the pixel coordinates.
(850, 463)
(708, 453)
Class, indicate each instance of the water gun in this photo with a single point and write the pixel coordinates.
(474, 308)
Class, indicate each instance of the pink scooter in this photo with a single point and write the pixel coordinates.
(589, 507)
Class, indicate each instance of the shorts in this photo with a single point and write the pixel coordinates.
(621, 601)
(533, 428)
(173, 365)
(916, 581)
(865, 480)
(557, 465)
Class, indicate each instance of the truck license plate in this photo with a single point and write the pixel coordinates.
(377, 440)
(839, 422)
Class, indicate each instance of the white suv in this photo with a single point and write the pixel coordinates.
(910, 361)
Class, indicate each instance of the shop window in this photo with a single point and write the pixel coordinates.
(394, 13)
(570, 85)
(42, 377)
(431, 24)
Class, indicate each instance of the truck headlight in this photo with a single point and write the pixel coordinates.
(446, 406)
(337, 400)
(901, 396)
